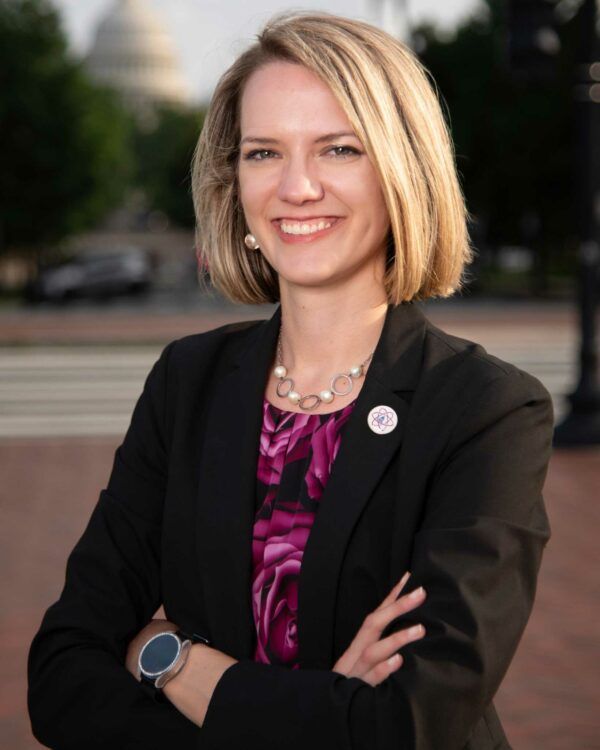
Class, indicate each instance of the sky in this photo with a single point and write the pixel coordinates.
(209, 34)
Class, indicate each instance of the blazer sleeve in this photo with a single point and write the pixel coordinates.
(477, 552)
(80, 694)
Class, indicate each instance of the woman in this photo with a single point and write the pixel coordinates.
(280, 477)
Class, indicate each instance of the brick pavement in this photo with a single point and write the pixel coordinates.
(548, 699)
(118, 325)
(113, 325)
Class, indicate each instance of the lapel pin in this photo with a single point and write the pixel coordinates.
(382, 419)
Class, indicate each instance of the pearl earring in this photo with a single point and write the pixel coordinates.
(250, 242)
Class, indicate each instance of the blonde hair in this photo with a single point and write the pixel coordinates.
(388, 98)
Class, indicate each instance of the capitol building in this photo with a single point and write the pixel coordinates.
(134, 54)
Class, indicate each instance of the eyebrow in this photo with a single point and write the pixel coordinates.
(320, 139)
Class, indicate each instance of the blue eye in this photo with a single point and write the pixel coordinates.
(348, 149)
(253, 154)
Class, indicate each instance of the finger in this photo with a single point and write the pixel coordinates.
(382, 650)
(383, 670)
(392, 596)
(406, 602)
(376, 622)
(379, 619)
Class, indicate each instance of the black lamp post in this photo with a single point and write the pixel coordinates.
(582, 424)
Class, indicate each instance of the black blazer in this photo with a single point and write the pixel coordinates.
(453, 494)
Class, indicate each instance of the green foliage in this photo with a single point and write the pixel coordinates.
(64, 143)
(163, 158)
(513, 139)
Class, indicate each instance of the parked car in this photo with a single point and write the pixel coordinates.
(126, 270)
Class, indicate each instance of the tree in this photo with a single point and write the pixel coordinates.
(513, 138)
(64, 142)
(163, 157)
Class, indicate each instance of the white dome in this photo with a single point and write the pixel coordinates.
(134, 54)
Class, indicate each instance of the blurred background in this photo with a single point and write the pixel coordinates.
(101, 104)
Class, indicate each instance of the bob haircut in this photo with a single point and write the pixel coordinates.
(393, 108)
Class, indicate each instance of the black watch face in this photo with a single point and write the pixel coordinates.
(159, 653)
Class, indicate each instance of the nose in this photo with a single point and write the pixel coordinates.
(299, 182)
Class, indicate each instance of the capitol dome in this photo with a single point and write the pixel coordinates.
(134, 54)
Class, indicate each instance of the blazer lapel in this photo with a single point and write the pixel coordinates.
(362, 458)
(225, 509)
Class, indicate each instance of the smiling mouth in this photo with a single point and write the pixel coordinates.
(305, 228)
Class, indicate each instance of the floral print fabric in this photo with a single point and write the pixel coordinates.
(296, 456)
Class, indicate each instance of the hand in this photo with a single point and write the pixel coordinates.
(133, 650)
(371, 659)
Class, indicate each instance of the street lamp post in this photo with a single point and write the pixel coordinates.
(582, 424)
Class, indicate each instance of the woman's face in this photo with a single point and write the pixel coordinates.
(301, 169)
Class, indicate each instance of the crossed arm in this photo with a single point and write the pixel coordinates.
(369, 656)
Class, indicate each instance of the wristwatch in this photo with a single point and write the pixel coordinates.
(164, 655)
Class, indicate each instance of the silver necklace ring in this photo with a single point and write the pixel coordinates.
(337, 377)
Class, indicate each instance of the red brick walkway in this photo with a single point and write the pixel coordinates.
(93, 325)
(548, 700)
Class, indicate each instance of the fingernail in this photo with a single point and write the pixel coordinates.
(417, 593)
(393, 660)
(416, 630)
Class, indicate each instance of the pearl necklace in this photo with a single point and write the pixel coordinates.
(312, 400)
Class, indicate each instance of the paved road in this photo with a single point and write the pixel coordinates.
(64, 391)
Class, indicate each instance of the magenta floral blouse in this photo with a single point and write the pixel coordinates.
(297, 452)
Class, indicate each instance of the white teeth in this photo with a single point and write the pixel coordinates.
(298, 228)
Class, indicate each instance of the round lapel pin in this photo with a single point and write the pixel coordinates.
(382, 419)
